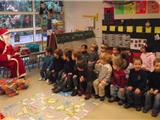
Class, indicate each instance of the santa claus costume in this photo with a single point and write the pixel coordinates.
(8, 56)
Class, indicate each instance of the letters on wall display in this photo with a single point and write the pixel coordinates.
(153, 7)
(140, 7)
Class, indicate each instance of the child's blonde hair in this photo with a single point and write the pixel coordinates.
(118, 62)
(105, 57)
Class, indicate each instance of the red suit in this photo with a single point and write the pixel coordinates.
(10, 60)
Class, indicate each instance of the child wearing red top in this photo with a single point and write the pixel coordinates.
(117, 88)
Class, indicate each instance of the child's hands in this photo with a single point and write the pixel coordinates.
(47, 69)
(130, 88)
(52, 71)
(104, 82)
(137, 91)
(121, 90)
(81, 79)
(155, 92)
(151, 91)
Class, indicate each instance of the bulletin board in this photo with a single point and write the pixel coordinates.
(135, 30)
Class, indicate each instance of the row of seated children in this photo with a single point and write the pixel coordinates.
(129, 83)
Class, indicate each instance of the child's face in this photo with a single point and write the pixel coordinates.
(115, 51)
(55, 55)
(143, 50)
(47, 53)
(137, 65)
(83, 49)
(157, 66)
(64, 57)
(92, 49)
(73, 57)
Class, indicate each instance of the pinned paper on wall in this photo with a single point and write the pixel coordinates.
(120, 28)
(157, 29)
(130, 8)
(104, 28)
(119, 9)
(112, 28)
(153, 7)
(130, 29)
(148, 29)
(140, 7)
(139, 29)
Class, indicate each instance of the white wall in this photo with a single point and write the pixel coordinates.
(74, 12)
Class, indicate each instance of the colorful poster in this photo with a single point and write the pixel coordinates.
(136, 43)
(148, 29)
(104, 28)
(157, 29)
(119, 9)
(130, 8)
(109, 15)
(129, 29)
(139, 29)
(112, 28)
(153, 7)
(120, 28)
(140, 7)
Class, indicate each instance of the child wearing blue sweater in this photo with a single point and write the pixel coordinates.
(46, 63)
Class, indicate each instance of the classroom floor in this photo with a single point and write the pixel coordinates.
(103, 111)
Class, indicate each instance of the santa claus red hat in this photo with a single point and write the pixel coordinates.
(3, 31)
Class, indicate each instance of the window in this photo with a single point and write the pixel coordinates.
(23, 19)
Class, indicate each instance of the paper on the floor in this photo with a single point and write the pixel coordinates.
(49, 106)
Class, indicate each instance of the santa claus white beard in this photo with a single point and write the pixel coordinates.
(6, 39)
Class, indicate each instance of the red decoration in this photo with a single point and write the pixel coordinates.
(153, 7)
(140, 7)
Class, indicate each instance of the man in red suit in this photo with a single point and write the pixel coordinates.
(8, 57)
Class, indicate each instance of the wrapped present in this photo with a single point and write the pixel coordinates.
(10, 87)
(1, 116)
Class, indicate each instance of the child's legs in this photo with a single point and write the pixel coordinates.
(89, 87)
(121, 94)
(138, 99)
(83, 85)
(129, 96)
(75, 82)
(156, 105)
(148, 100)
(69, 81)
(113, 90)
(42, 73)
(101, 88)
(95, 85)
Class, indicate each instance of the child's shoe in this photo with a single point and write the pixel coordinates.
(102, 98)
(138, 108)
(127, 106)
(96, 96)
(74, 92)
(87, 96)
(120, 102)
(41, 79)
(145, 110)
(154, 113)
(112, 99)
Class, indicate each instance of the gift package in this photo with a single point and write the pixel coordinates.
(10, 87)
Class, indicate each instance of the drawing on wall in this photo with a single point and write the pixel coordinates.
(136, 43)
(140, 7)
(153, 7)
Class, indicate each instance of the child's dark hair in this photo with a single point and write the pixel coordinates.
(59, 52)
(49, 50)
(68, 53)
(85, 46)
(136, 59)
(95, 46)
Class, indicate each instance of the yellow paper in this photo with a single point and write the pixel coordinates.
(120, 28)
(129, 28)
(104, 28)
(157, 29)
(112, 28)
(148, 29)
(139, 29)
